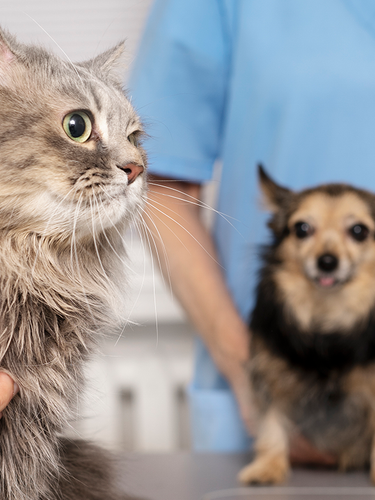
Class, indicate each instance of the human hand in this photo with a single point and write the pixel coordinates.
(303, 452)
(231, 352)
(239, 381)
(8, 389)
(229, 348)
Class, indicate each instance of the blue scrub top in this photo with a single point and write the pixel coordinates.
(287, 83)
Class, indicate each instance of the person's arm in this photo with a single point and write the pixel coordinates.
(188, 258)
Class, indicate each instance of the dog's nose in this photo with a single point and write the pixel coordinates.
(328, 262)
(132, 170)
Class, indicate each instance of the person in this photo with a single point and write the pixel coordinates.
(290, 84)
(8, 389)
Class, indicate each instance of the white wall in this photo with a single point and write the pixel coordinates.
(79, 29)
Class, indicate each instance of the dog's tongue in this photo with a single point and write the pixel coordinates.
(326, 281)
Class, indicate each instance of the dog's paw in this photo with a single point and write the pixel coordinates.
(265, 470)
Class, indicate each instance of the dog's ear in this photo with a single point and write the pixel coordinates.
(280, 200)
(276, 197)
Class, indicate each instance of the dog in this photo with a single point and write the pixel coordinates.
(312, 366)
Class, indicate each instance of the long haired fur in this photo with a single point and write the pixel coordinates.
(63, 209)
(313, 328)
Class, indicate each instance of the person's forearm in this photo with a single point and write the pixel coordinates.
(188, 258)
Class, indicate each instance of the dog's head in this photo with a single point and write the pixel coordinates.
(325, 244)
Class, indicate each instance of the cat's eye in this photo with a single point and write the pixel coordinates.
(303, 229)
(359, 232)
(132, 138)
(77, 126)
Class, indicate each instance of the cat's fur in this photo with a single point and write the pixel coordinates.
(313, 329)
(63, 209)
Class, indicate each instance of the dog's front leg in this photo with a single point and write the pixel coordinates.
(271, 462)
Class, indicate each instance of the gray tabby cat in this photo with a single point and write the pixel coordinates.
(71, 179)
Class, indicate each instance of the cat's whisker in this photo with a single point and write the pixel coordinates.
(152, 205)
(106, 237)
(74, 243)
(72, 240)
(127, 320)
(164, 223)
(114, 226)
(94, 238)
(144, 230)
(57, 45)
(194, 201)
(136, 224)
(155, 202)
(141, 231)
(107, 279)
(136, 219)
(155, 247)
(107, 283)
(154, 290)
(73, 429)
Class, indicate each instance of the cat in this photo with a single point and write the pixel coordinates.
(73, 176)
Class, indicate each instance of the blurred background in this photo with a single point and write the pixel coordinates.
(136, 394)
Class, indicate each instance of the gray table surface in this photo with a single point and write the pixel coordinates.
(187, 476)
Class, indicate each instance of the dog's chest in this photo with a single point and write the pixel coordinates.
(316, 351)
(329, 416)
(332, 410)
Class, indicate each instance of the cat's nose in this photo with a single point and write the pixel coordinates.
(132, 170)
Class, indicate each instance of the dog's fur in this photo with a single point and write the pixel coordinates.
(313, 329)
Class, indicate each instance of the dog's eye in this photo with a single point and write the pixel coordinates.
(359, 232)
(302, 229)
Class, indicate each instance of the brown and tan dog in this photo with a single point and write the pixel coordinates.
(313, 329)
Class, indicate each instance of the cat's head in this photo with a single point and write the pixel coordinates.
(70, 156)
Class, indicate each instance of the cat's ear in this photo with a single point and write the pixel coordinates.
(8, 56)
(6, 53)
(276, 197)
(109, 62)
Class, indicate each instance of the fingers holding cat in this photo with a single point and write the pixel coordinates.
(8, 389)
